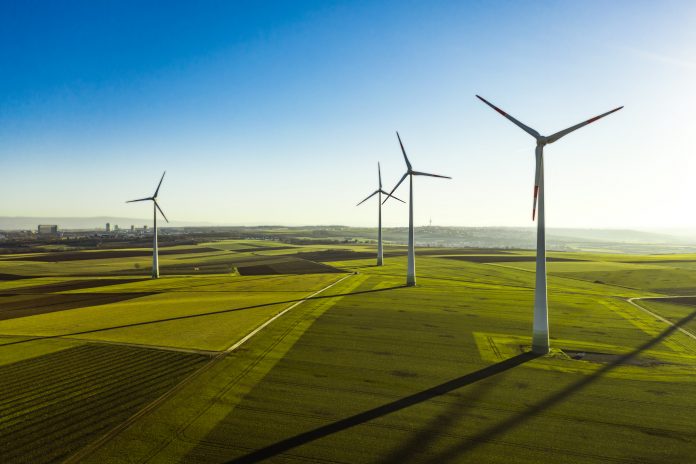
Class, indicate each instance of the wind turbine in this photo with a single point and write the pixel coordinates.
(540, 329)
(153, 198)
(379, 192)
(411, 270)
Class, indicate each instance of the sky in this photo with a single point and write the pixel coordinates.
(277, 112)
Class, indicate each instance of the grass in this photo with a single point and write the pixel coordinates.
(194, 313)
(337, 387)
(370, 370)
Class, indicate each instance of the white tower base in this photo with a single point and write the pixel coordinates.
(411, 270)
(540, 330)
(380, 260)
(155, 251)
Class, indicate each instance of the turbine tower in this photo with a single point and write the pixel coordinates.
(379, 192)
(153, 198)
(411, 270)
(540, 330)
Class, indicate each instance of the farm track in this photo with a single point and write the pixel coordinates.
(181, 432)
(688, 348)
(86, 451)
(657, 316)
(82, 392)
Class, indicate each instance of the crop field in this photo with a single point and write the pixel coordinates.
(55, 403)
(343, 363)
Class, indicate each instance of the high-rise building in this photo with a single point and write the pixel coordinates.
(108, 227)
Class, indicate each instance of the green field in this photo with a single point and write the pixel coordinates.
(99, 364)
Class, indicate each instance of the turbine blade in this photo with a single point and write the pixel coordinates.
(408, 163)
(160, 210)
(527, 129)
(418, 173)
(139, 199)
(159, 185)
(389, 195)
(537, 173)
(379, 174)
(396, 198)
(370, 196)
(564, 132)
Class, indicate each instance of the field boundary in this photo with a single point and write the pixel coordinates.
(89, 449)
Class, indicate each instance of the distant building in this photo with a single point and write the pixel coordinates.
(48, 229)
(115, 227)
(145, 227)
(108, 227)
(132, 227)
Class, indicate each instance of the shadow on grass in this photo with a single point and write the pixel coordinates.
(425, 395)
(515, 421)
(193, 316)
(430, 433)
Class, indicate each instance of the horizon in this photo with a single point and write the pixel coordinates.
(139, 222)
(279, 115)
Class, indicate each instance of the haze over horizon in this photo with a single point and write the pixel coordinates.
(277, 112)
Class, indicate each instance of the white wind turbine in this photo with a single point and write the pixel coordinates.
(379, 192)
(153, 198)
(411, 270)
(540, 330)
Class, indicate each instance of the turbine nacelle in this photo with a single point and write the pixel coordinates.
(409, 170)
(379, 189)
(542, 141)
(153, 198)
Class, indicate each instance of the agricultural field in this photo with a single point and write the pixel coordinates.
(258, 351)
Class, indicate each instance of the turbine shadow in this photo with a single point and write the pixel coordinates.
(562, 395)
(366, 416)
(429, 433)
(192, 316)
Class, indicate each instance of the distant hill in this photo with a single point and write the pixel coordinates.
(562, 239)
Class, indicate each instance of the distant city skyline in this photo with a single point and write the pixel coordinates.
(278, 112)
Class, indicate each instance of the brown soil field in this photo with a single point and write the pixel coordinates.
(508, 259)
(686, 301)
(606, 358)
(299, 266)
(13, 305)
(347, 255)
(334, 255)
(460, 251)
(72, 285)
(261, 248)
(107, 254)
(246, 265)
(7, 277)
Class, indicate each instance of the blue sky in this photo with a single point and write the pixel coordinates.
(277, 112)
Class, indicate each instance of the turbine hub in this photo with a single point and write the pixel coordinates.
(542, 140)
